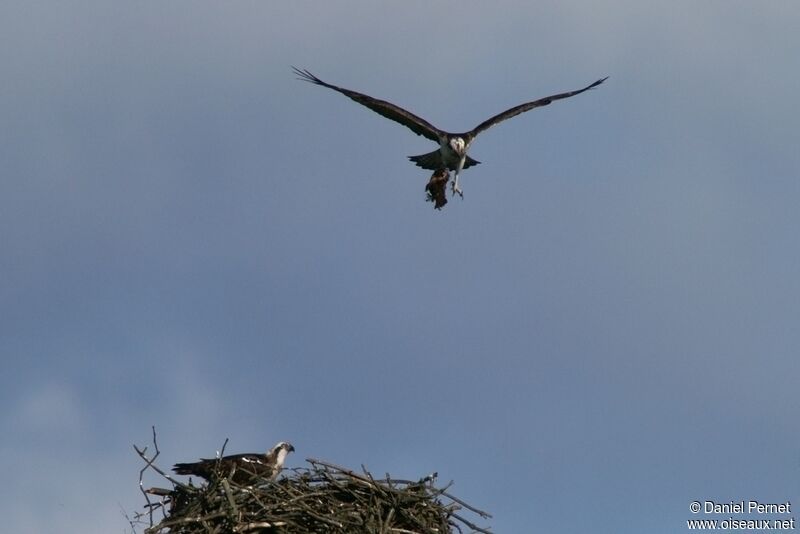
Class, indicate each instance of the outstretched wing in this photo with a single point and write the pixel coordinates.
(522, 108)
(416, 124)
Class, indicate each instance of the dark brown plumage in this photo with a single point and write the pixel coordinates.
(239, 468)
(453, 147)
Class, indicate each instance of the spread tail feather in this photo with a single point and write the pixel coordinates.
(433, 161)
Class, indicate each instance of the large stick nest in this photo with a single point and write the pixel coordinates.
(320, 498)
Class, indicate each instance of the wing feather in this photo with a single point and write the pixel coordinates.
(416, 124)
(522, 108)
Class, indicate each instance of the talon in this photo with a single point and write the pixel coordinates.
(456, 189)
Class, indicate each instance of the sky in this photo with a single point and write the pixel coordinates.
(602, 331)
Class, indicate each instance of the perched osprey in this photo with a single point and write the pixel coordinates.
(452, 152)
(239, 468)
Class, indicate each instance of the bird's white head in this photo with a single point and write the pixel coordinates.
(281, 449)
(458, 145)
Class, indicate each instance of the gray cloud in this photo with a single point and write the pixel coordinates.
(196, 241)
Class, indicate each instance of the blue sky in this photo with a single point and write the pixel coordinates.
(603, 330)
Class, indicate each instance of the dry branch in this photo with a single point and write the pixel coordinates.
(322, 498)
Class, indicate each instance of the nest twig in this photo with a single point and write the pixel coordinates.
(321, 498)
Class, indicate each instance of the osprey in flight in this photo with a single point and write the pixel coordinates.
(452, 152)
(240, 468)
